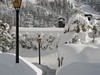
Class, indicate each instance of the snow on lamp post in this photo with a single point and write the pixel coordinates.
(17, 5)
(39, 44)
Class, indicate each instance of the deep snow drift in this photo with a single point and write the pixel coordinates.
(79, 53)
(80, 68)
(9, 67)
(79, 59)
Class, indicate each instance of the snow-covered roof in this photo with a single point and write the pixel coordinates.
(89, 10)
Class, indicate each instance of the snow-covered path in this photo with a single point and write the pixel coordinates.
(50, 60)
(48, 57)
(46, 70)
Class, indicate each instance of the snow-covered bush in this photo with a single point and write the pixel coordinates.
(5, 37)
(30, 42)
(79, 25)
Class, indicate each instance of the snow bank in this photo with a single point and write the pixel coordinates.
(79, 59)
(80, 69)
(9, 67)
(79, 53)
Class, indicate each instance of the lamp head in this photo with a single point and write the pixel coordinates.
(17, 4)
(39, 39)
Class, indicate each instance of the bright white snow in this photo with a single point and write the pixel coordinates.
(79, 59)
(9, 67)
(79, 68)
(79, 53)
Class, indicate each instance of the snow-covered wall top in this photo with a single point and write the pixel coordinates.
(39, 30)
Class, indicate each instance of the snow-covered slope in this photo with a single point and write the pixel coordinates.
(9, 67)
(79, 53)
(79, 59)
(80, 68)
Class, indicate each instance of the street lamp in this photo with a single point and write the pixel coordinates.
(39, 44)
(61, 22)
(17, 5)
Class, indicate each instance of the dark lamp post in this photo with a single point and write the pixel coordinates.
(39, 44)
(17, 5)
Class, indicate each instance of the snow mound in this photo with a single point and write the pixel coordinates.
(78, 68)
(79, 53)
(9, 67)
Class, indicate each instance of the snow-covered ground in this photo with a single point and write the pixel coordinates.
(48, 57)
(79, 59)
(79, 68)
(9, 67)
(54, 31)
(79, 53)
